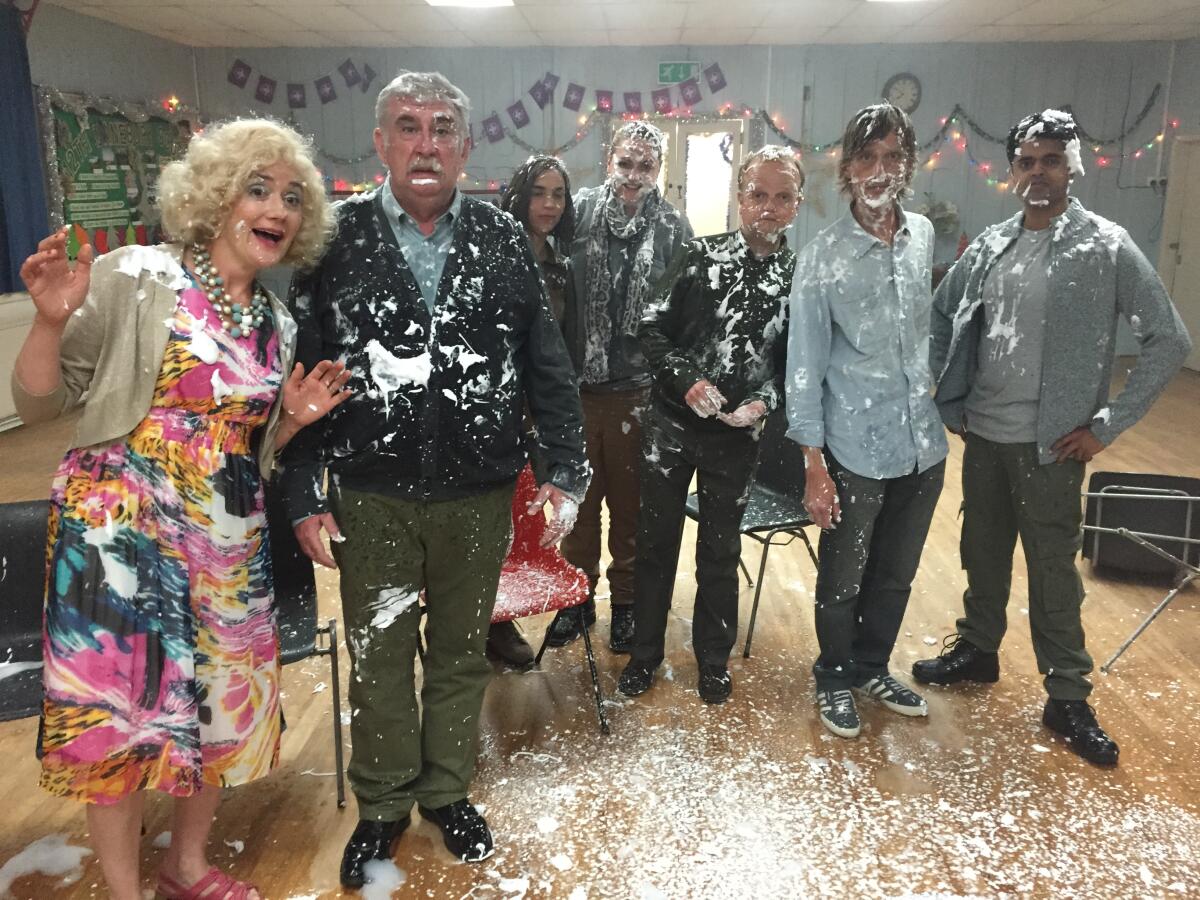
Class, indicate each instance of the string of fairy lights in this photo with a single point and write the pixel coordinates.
(953, 131)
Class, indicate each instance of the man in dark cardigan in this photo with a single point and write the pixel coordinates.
(433, 300)
(714, 339)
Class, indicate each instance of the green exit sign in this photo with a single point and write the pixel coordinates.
(675, 72)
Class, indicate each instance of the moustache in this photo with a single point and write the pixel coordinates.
(426, 164)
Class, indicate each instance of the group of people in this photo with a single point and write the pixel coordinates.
(432, 344)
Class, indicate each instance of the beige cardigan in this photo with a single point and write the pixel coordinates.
(113, 348)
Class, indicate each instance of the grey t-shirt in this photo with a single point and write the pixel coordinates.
(1003, 403)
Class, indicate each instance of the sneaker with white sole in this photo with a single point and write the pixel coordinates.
(894, 695)
(838, 713)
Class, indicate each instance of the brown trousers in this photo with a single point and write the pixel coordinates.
(612, 428)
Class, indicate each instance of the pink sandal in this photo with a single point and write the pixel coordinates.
(215, 885)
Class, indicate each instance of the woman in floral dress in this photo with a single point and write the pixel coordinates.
(160, 650)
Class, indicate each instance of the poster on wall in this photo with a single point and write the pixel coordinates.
(103, 159)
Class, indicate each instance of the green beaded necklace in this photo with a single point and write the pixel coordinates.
(238, 321)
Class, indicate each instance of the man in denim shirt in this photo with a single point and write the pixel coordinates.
(859, 402)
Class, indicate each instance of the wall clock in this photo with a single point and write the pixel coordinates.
(903, 90)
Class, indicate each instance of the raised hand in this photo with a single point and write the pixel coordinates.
(57, 289)
(307, 398)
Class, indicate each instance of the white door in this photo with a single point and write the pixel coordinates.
(700, 176)
(1179, 257)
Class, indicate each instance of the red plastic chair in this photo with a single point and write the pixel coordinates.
(536, 580)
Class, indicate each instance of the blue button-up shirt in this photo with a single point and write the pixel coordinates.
(858, 380)
(426, 256)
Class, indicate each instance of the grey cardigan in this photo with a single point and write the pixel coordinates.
(1096, 272)
(113, 348)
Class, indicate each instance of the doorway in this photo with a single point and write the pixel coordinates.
(700, 172)
(1179, 256)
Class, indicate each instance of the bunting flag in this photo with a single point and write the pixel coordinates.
(368, 75)
(633, 102)
(715, 77)
(493, 128)
(297, 96)
(325, 89)
(540, 94)
(265, 92)
(573, 98)
(604, 101)
(239, 73)
(350, 73)
(661, 99)
(689, 91)
(518, 114)
(550, 80)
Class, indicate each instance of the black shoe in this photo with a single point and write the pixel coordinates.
(565, 627)
(1076, 721)
(715, 684)
(636, 678)
(620, 638)
(464, 830)
(960, 660)
(506, 645)
(371, 840)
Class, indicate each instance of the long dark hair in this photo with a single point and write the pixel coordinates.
(874, 123)
(520, 191)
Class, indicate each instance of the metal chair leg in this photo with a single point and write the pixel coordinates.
(746, 572)
(1183, 583)
(812, 554)
(330, 632)
(537, 660)
(591, 660)
(762, 567)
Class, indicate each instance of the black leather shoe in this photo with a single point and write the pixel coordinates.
(464, 830)
(636, 678)
(1076, 721)
(371, 840)
(508, 647)
(565, 627)
(960, 660)
(620, 638)
(715, 684)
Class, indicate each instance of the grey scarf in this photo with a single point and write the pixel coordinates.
(610, 222)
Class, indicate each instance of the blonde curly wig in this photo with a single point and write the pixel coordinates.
(197, 192)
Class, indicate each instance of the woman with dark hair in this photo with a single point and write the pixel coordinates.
(539, 197)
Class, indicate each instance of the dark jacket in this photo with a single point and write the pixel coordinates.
(438, 401)
(721, 314)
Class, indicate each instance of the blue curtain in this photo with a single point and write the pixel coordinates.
(23, 219)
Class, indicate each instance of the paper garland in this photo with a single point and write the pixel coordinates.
(297, 94)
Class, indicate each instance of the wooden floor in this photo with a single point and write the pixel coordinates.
(753, 798)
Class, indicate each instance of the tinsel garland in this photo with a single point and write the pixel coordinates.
(958, 114)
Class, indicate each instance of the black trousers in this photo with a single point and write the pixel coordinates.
(723, 461)
(865, 570)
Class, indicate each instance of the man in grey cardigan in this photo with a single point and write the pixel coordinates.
(1024, 330)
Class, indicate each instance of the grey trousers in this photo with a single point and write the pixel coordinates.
(866, 566)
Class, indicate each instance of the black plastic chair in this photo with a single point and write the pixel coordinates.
(776, 505)
(22, 592)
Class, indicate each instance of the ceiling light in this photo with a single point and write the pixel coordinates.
(470, 4)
